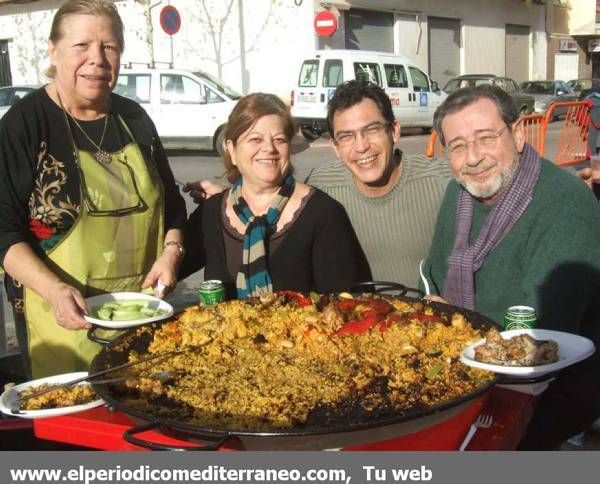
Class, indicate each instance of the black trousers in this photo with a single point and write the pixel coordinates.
(569, 406)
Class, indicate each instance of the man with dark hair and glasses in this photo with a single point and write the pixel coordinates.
(514, 229)
(392, 200)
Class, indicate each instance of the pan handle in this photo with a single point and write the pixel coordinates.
(511, 380)
(91, 334)
(129, 436)
(385, 286)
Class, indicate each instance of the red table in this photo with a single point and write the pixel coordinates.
(102, 429)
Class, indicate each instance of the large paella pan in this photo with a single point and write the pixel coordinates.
(293, 371)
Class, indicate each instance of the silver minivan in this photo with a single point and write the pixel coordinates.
(414, 96)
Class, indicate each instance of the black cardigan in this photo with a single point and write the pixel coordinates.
(320, 251)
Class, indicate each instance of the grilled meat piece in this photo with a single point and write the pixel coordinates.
(521, 350)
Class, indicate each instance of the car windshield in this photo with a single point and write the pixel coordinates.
(538, 87)
(580, 84)
(454, 84)
(5, 95)
(218, 85)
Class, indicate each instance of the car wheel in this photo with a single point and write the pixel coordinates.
(523, 111)
(220, 142)
(310, 134)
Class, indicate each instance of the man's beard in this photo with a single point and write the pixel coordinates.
(492, 188)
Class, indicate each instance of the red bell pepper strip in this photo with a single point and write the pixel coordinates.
(426, 318)
(381, 306)
(346, 305)
(297, 297)
(359, 326)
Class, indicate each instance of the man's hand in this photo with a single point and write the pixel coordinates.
(434, 298)
(68, 305)
(202, 190)
(589, 176)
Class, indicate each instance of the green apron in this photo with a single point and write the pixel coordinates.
(111, 247)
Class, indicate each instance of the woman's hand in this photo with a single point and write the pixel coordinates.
(68, 305)
(202, 190)
(163, 274)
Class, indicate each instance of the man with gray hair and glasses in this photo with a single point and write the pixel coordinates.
(514, 229)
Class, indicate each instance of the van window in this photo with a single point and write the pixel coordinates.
(333, 74)
(395, 75)
(178, 89)
(367, 72)
(211, 96)
(134, 86)
(419, 79)
(308, 73)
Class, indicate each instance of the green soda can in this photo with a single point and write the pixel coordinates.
(211, 292)
(520, 317)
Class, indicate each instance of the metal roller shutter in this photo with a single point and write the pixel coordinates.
(369, 30)
(5, 77)
(517, 52)
(444, 49)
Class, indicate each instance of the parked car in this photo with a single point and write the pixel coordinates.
(11, 94)
(547, 92)
(524, 102)
(583, 87)
(413, 94)
(189, 109)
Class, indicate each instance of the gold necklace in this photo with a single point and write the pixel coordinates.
(101, 155)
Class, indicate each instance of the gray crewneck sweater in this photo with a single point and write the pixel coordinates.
(395, 230)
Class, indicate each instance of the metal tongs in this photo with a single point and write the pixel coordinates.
(15, 408)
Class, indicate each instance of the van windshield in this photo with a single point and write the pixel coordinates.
(308, 73)
(218, 85)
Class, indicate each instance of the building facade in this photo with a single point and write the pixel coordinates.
(259, 44)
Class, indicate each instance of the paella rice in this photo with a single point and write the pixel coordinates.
(61, 397)
(286, 361)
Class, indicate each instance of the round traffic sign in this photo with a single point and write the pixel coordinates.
(325, 23)
(170, 20)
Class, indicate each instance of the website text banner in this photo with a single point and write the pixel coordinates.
(303, 467)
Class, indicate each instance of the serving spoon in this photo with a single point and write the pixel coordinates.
(160, 376)
(424, 279)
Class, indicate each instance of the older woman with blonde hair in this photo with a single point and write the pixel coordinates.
(270, 232)
(89, 203)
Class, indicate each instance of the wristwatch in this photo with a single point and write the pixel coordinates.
(179, 246)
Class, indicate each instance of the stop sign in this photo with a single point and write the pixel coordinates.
(325, 23)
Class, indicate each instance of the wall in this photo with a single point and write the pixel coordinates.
(582, 17)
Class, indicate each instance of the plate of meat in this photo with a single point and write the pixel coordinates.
(527, 352)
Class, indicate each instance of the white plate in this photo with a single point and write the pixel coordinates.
(155, 303)
(10, 396)
(571, 349)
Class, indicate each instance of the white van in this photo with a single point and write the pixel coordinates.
(189, 109)
(414, 95)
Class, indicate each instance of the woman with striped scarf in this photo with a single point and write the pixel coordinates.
(269, 232)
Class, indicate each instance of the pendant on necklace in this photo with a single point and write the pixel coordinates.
(103, 157)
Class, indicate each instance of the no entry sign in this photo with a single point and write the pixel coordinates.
(170, 20)
(325, 23)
